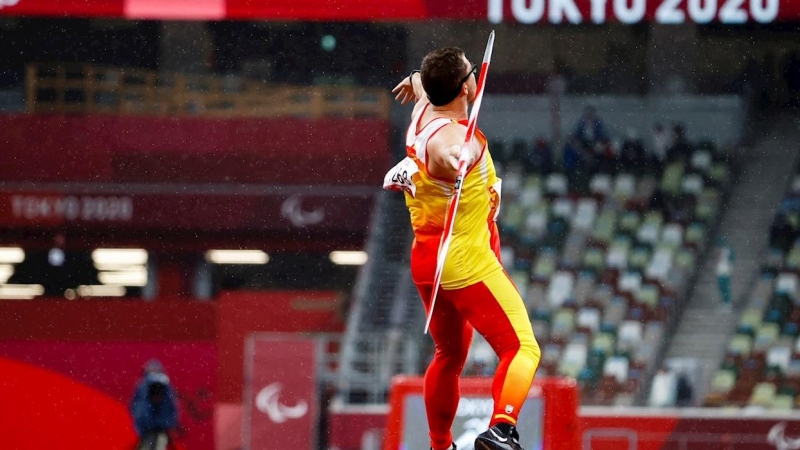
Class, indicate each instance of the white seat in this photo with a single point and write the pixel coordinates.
(536, 223)
(617, 366)
(672, 234)
(779, 356)
(507, 255)
(664, 390)
(557, 184)
(530, 196)
(585, 214)
(625, 186)
(560, 288)
(786, 283)
(575, 353)
(600, 184)
(629, 282)
(617, 258)
(562, 207)
(648, 233)
(589, 318)
(630, 331)
(512, 183)
(701, 160)
(660, 265)
(692, 184)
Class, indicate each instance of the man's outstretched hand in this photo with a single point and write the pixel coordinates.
(404, 91)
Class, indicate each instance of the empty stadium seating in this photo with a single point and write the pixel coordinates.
(762, 364)
(604, 263)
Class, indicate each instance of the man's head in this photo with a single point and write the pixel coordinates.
(446, 74)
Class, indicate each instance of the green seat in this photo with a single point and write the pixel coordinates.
(696, 234)
(723, 381)
(640, 257)
(563, 323)
(783, 402)
(648, 295)
(684, 259)
(793, 258)
(593, 260)
(629, 222)
(604, 227)
(766, 335)
(750, 320)
(605, 343)
(719, 173)
(512, 216)
(740, 344)
(521, 279)
(672, 177)
(763, 394)
(545, 266)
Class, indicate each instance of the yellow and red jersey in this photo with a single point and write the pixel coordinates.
(474, 249)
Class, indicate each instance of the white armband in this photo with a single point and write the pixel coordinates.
(399, 177)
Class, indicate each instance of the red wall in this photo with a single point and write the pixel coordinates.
(242, 313)
(225, 322)
(193, 150)
(108, 320)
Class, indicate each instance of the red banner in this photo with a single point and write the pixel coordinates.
(689, 430)
(523, 11)
(280, 403)
(305, 208)
(193, 150)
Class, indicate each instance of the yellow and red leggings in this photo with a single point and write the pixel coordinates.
(496, 310)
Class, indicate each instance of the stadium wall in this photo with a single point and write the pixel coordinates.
(720, 119)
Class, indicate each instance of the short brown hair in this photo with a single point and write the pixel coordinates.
(441, 72)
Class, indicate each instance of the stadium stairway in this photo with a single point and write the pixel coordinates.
(705, 327)
(376, 343)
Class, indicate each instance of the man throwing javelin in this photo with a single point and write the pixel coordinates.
(475, 290)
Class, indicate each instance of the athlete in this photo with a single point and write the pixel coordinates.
(475, 291)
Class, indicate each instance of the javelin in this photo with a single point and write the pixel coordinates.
(450, 218)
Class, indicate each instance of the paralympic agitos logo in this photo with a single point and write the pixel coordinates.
(268, 401)
(777, 438)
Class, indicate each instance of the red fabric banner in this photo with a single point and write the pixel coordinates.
(523, 11)
(281, 404)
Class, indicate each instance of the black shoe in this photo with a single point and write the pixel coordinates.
(495, 439)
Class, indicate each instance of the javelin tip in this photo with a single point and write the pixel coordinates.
(487, 56)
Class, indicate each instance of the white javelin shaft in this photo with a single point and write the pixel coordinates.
(450, 218)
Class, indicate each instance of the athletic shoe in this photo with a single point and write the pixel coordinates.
(495, 439)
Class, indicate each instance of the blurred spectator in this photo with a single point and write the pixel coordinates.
(632, 156)
(590, 128)
(662, 142)
(519, 153)
(724, 266)
(603, 158)
(664, 389)
(154, 408)
(684, 393)
(681, 149)
(541, 158)
(782, 233)
(572, 159)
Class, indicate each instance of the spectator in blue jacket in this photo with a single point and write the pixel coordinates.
(154, 408)
(590, 128)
